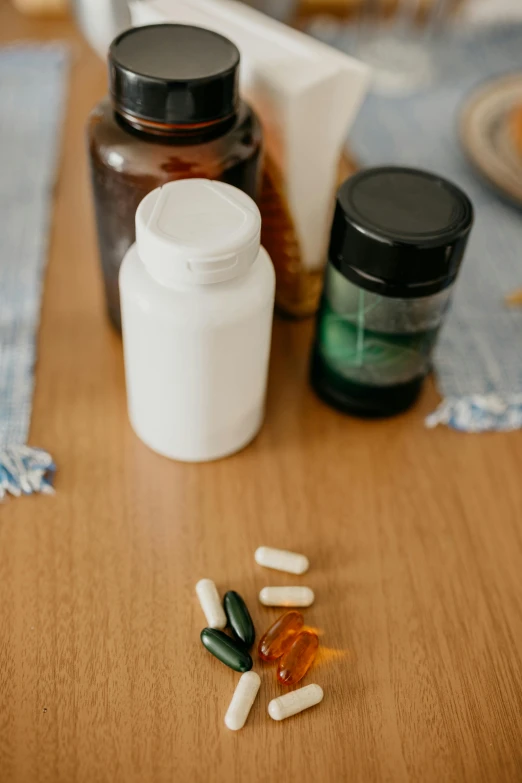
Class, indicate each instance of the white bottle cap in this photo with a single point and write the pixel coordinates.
(197, 231)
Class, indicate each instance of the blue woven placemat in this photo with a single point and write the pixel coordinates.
(32, 96)
(478, 360)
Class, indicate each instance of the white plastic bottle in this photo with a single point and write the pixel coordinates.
(197, 296)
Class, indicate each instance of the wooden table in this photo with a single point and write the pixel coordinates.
(415, 541)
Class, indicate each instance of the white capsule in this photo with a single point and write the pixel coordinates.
(286, 596)
(294, 702)
(281, 560)
(210, 603)
(242, 700)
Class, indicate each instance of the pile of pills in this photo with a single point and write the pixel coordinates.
(286, 641)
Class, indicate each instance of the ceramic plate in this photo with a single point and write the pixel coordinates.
(487, 136)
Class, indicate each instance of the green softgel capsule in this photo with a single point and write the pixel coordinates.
(239, 619)
(226, 650)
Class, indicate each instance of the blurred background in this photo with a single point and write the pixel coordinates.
(409, 44)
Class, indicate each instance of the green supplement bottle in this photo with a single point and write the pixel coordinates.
(397, 242)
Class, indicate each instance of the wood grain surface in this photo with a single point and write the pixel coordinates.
(414, 537)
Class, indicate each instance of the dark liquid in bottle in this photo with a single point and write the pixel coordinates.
(361, 399)
(127, 164)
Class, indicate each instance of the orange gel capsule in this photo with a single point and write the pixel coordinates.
(298, 658)
(280, 635)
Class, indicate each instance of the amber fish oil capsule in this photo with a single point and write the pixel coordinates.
(286, 596)
(281, 560)
(298, 658)
(242, 700)
(294, 702)
(280, 635)
(208, 596)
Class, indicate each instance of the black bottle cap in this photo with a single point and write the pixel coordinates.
(174, 74)
(400, 232)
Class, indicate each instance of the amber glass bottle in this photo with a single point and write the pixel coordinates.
(174, 112)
